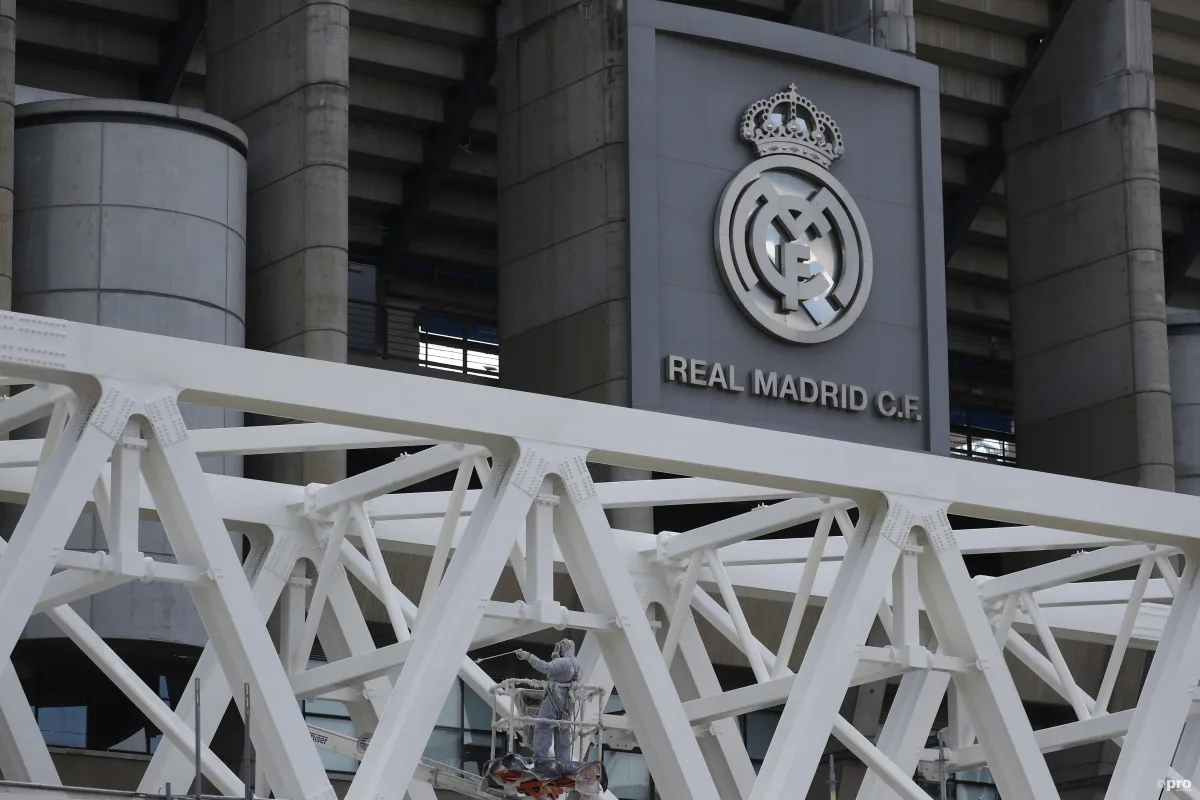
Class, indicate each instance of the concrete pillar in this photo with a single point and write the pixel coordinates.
(1092, 383)
(889, 24)
(564, 207)
(8, 80)
(1184, 338)
(1085, 255)
(282, 73)
(563, 233)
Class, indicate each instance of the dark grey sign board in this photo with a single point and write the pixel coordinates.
(786, 260)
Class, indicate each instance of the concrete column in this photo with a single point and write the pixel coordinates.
(8, 80)
(282, 73)
(563, 231)
(889, 24)
(1085, 255)
(564, 208)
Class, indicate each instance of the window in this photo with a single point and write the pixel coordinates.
(64, 726)
(85, 715)
(335, 718)
(982, 435)
(759, 729)
(628, 775)
(404, 331)
(974, 785)
(461, 739)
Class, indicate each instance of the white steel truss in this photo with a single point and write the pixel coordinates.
(884, 553)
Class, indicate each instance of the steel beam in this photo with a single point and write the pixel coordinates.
(757, 522)
(402, 472)
(989, 693)
(1061, 737)
(54, 506)
(243, 645)
(442, 642)
(1066, 570)
(1162, 709)
(268, 570)
(255, 440)
(321, 391)
(629, 648)
(723, 748)
(824, 676)
(30, 405)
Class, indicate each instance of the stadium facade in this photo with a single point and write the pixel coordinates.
(547, 196)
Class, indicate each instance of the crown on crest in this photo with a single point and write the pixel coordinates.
(789, 123)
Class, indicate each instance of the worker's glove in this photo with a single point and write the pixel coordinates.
(523, 655)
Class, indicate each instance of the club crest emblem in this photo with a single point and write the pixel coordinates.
(791, 243)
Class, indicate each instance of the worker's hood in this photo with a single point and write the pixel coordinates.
(564, 649)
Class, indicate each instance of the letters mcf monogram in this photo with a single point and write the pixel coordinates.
(792, 245)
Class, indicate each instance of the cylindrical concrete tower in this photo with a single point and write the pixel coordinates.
(130, 215)
(1183, 338)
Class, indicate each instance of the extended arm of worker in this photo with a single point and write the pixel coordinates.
(560, 669)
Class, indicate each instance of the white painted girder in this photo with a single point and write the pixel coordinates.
(341, 394)
(247, 503)
(733, 463)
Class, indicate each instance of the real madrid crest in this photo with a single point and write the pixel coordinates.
(791, 243)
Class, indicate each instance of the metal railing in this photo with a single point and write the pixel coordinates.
(427, 339)
(982, 434)
(983, 445)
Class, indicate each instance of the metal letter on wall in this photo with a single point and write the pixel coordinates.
(792, 245)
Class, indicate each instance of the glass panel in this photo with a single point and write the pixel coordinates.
(975, 776)
(334, 762)
(477, 713)
(445, 747)
(326, 708)
(628, 775)
(451, 716)
(614, 704)
(477, 748)
(64, 726)
(134, 744)
(760, 727)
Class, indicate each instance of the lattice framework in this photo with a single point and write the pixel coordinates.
(117, 445)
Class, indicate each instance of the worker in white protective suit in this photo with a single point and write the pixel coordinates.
(561, 671)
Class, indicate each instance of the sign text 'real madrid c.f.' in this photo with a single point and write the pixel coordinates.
(798, 389)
